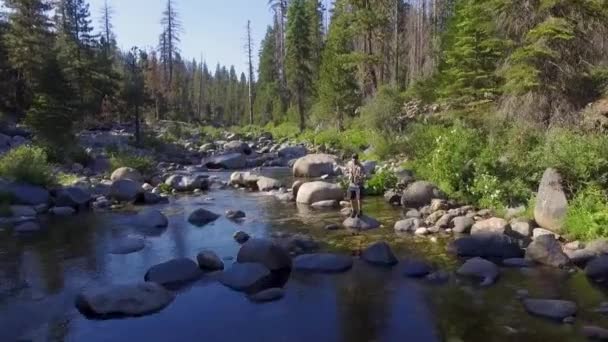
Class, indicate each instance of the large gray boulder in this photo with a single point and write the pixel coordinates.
(487, 246)
(174, 272)
(292, 152)
(494, 225)
(480, 268)
(201, 217)
(314, 165)
(550, 308)
(419, 194)
(546, 250)
(237, 146)
(463, 224)
(244, 179)
(267, 183)
(551, 202)
(74, 197)
(183, 183)
(361, 223)
(28, 194)
(312, 192)
(247, 277)
(265, 252)
(597, 269)
(126, 173)
(229, 161)
(123, 300)
(125, 190)
(379, 253)
(323, 263)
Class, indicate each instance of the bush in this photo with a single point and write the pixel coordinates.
(380, 182)
(143, 164)
(587, 216)
(382, 112)
(286, 130)
(210, 133)
(28, 164)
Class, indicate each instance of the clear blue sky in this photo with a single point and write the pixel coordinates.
(215, 28)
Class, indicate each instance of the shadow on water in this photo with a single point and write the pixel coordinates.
(41, 276)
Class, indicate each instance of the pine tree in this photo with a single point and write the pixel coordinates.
(133, 88)
(298, 61)
(250, 67)
(28, 42)
(338, 89)
(170, 38)
(267, 87)
(314, 12)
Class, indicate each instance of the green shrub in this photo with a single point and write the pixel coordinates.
(66, 179)
(286, 130)
(380, 182)
(210, 133)
(587, 216)
(382, 112)
(143, 164)
(27, 164)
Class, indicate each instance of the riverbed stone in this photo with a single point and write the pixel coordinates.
(27, 194)
(241, 237)
(551, 202)
(312, 192)
(363, 222)
(244, 179)
(314, 165)
(379, 253)
(247, 277)
(419, 194)
(267, 183)
(237, 146)
(546, 250)
(521, 228)
(422, 231)
(235, 214)
(125, 190)
(265, 252)
(268, 295)
(292, 152)
(325, 204)
(408, 225)
(537, 232)
(323, 263)
(62, 211)
(434, 217)
(174, 272)
(413, 213)
(517, 262)
(480, 268)
(74, 197)
(23, 211)
(597, 269)
(151, 218)
(493, 225)
(187, 183)
(462, 224)
(28, 227)
(413, 268)
(201, 217)
(126, 173)
(487, 246)
(550, 308)
(392, 197)
(127, 245)
(595, 333)
(229, 161)
(124, 300)
(209, 261)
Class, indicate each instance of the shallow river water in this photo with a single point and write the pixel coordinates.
(41, 275)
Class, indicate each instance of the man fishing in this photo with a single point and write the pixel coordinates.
(356, 179)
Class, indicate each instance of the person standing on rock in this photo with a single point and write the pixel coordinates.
(356, 178)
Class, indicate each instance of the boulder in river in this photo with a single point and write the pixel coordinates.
(27, 227)
(229, 161)
(546, 250)
(201, 217)
(235, 214)
(314, 165)
(292, 152)
(323, 263)
(379, 253)
(62, 211)
(237, 146)
(151, 218)
(74, 197)
(551, 202)
(125, 190)
(123, 300)
(267, 295)
(174, 272)
(127, 245)
(312, 192)
(408, 225)
(419, 194)
(241, 237)
(550, 308)
(487, 246)
(392, 197)
(186, 183)
(494, 225)
(361, 223)
(126, 173)
(480, 268)
(595, 333)
(265, 252)
(267, 183)
(209, 261)
(244, 179)
(247, 277)
(27, 194)
(325, 204)
(416, 268)
(597, 269)
(462, 224)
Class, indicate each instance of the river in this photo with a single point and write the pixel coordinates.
(41, 275)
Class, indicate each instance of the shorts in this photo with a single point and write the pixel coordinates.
(354, 192)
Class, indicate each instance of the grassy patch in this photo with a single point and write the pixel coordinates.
(28, 164)
(587, 216)
(66, 179)
(143, 164)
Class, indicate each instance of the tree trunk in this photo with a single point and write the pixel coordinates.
(137, 132)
